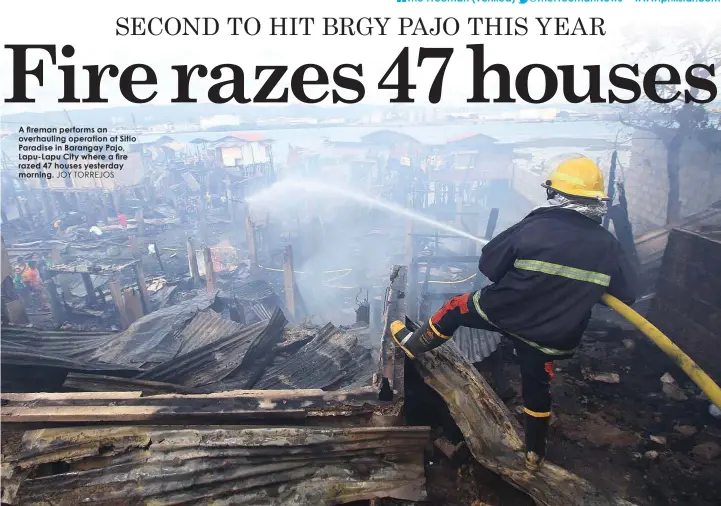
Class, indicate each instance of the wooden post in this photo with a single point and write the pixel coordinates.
(55, 305)
(193, 263)
(90, 298)
(202, 222)
(103, 209)
(140, 221)
(7, 279)
(116, 294)
(157, 255)
(492, 222)
(133, 305)
(289, 280)
(47, 207)
(54, 205)
(63, 281)
(231, 204)
(250, 241)
(209, 272)
(410, 242)
(392, 357)
(101, 296)
(115, 196)
(134, 249)
(76, 201)
(142, 288)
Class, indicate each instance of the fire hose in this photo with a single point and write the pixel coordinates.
(691, 368)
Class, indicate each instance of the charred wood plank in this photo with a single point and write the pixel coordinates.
(392, 360)
(100, 383)
(491, 433)
(169, 408)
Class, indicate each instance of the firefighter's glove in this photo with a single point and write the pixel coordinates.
(422, 340)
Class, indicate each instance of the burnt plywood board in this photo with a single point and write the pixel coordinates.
(222, 407)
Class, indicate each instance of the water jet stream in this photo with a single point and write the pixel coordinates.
(280, 191)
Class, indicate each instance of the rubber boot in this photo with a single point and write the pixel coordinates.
(536, 432)
(414, 343)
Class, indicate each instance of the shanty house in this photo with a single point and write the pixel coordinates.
(475, 157)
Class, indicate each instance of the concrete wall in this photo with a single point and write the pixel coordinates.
(647, 182)
(687, 306)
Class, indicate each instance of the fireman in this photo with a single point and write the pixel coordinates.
(547, 272)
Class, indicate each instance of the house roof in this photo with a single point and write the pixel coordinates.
(388, 136)
(471, 138)
(155, 139)
(245, 136)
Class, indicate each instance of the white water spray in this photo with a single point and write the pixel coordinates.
(280, 191)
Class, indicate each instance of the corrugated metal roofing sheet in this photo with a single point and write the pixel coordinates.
(251, 466)
(206, 327)
(153, 338)
(475, 344)
(255, 291)
(20, 355)
(331, 359)
(242, 355)
(70, 344)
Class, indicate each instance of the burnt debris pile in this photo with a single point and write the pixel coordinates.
(188, 347)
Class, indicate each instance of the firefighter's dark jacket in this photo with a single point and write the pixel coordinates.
(547, 272)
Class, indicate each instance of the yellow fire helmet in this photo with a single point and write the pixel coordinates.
(577, 177)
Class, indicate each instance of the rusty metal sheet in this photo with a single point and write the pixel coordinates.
(250, 466)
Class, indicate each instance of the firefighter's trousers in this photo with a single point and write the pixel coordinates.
(536, 367)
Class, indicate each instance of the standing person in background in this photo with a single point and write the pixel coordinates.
(32, 281)
(122, 220)
(18, 277)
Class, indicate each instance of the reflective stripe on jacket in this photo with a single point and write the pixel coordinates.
(548, 271)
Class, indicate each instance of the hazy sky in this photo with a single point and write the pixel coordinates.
(90, 27)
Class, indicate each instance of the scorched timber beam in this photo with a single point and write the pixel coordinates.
(491, 433)
(392, 359)
(230, 407)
